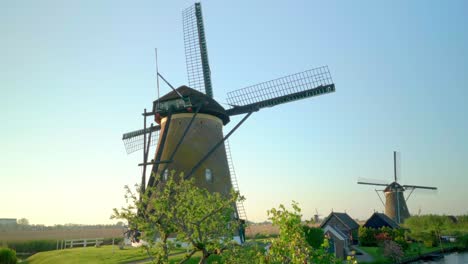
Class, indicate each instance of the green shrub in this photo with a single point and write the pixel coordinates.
(7, 256)
(33, 246)
(314, 236)
(367, 237)
(463, 241)
(108, 241)
(401, 241)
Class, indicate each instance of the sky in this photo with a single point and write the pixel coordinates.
(75, 76)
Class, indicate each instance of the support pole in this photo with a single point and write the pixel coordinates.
(153, 181)
(145, 157)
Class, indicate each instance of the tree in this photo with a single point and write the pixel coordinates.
(23, 222)
(367, 237)
(291, 245)
(203, 219)
(314, 236)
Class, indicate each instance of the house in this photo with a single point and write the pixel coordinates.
(338, 241)
(379, 220)
(344, 223)
(7, 221)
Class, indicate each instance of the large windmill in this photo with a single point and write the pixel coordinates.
(395, 201)
(189, 129)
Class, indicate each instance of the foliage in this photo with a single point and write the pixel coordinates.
(33, 246)
(421, 226)
(8, 256)
(201, 218)
(367, 237)
(23, 222)
(244, 254)
(401, 241)
(291, 245)
(314, 236)
(463, 241)
(393, 251)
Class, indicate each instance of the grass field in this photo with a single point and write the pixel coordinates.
(105, 254)
(102, 255)
(28, 235)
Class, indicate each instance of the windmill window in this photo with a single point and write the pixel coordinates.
(165, 174)
(208, 175)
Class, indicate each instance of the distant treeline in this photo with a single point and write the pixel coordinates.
(58, 227)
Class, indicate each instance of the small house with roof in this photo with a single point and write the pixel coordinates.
(338, 241)
(344, 223)
(379, 220)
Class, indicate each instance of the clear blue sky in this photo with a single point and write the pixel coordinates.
(75, 76)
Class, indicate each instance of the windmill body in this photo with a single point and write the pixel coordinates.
(204, 132)
(395, 202)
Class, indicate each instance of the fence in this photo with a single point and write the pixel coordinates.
(79, 242)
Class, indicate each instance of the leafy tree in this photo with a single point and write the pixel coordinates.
(291, 245)
(202, 218)
(151, 224)
(23, 222)
(244, 254)
(195, 215)
(367, 237)
(314, 236)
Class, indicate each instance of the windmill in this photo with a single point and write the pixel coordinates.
(395, 201)
(317, 217)
(189, 130)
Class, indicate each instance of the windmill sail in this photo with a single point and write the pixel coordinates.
(133, 141)
(196, 54)
(294, 87)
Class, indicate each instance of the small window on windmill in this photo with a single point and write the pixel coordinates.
(165, 174)
(208, 175)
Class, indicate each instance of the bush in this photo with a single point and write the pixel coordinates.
(7, 256)
(463, 241)
(33, 246)
(401, 241)
(314, 236)
(367, 237)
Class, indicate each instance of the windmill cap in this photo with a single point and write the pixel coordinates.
(393, 186)
(208, 104)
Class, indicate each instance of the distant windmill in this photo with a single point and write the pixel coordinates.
(316, 216)
(395, 201)
(191, 122)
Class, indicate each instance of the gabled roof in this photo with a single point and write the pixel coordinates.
(378, 220)
(344, 218)
(336, 232)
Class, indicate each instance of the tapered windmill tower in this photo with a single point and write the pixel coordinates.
(395, 201)
(189, 122)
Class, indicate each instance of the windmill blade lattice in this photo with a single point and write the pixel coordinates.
(133, 141)
(297, 86)
(196, 54)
